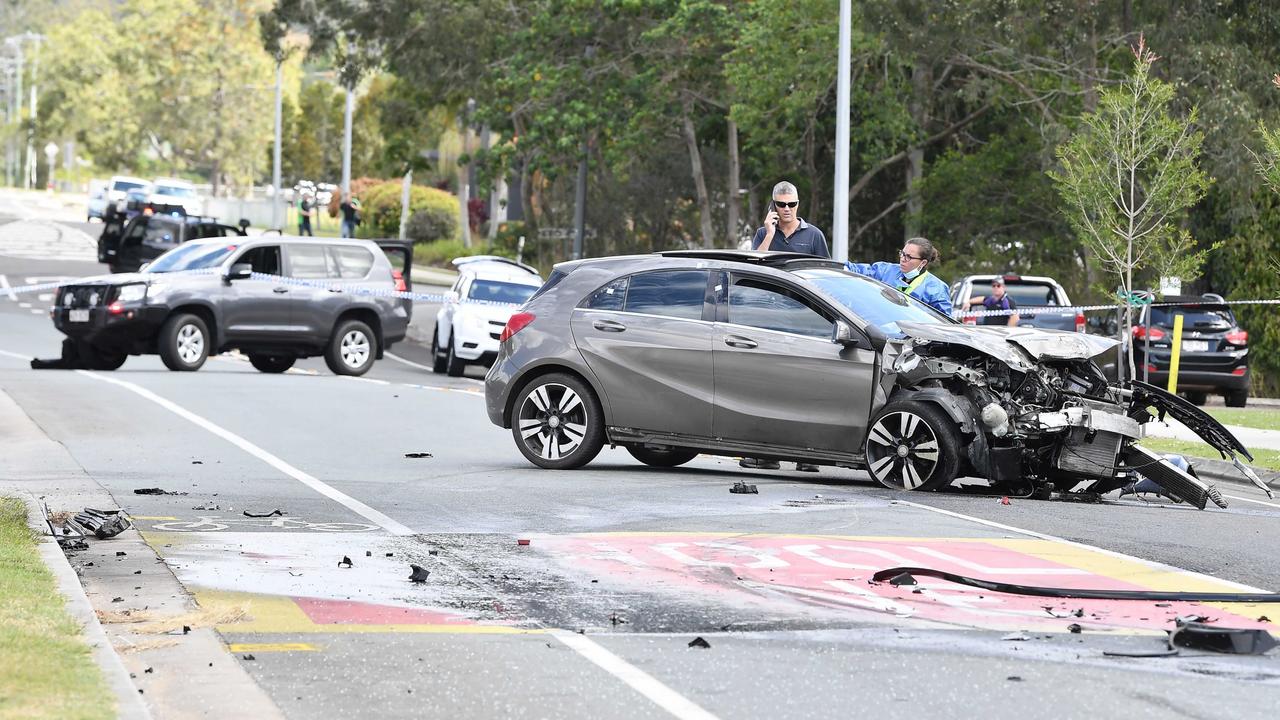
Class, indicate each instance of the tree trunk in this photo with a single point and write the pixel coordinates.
(699, 177)
(735, 181)
(1090, 105)
(921, 87)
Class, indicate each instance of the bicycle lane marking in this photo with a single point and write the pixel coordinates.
(386, 523)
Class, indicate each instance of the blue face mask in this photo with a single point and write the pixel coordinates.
(912, 275)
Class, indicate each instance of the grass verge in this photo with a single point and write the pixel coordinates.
(1260, 418)
(1267, 459)
(46, 670)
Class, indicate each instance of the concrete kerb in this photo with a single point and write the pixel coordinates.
(129, 705)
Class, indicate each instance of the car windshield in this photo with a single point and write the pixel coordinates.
(503, 292)
(874, 302)
(191, 257)
(125, 186)
(172, 191)
(1195, 316)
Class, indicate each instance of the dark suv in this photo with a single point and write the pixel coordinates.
(1215, 350)
(125, 245)
(322, 297)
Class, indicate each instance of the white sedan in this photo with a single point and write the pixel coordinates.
(476, 309)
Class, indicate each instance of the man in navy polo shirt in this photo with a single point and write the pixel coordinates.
(785, 230)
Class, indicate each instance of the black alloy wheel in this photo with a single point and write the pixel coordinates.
(558, 422)
(912, 445)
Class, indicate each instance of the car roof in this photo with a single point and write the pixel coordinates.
(172, 182)
(1012, 278)
(285, 239)
(780, 260)
(493, 267)
(129, 178)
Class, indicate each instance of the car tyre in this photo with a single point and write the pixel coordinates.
(912, 445)
(351, 349)
(558, 423)
(1236, 398)
(438, 358)
(1196, 397)
(661, 458)
(184, 342)
(271, 363)
(454, 366)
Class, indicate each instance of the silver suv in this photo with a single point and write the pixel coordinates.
(275, 298)
(783, 356)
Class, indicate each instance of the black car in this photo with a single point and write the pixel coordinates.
(275, 298)
(126, 244)
(1215, 349)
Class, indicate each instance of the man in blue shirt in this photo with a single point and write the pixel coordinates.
(784, 230)
(909, 275)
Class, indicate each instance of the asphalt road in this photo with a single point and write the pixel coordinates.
(624, 566)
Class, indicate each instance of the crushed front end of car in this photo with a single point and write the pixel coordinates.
(1036, 414)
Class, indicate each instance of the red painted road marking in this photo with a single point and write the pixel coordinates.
(833, 572)
(347, 612)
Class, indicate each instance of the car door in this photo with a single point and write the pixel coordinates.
(317, 303)
(646, 337)
(779, 377)
(257, 310)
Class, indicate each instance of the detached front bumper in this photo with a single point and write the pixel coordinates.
(131, 330)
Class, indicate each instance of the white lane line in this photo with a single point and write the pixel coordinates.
(24, 305)
(640, 681)
(4, 284)
(398, 359)
(17, 356)
(1032, 533)
(364, 379)
(37, 312)
(391, 526)
(1245, 499)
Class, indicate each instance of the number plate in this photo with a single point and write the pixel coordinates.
(78, 315)
(1195, 345)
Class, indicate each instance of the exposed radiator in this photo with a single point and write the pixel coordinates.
(1094, 456)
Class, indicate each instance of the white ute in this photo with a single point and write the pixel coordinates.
(469, 324)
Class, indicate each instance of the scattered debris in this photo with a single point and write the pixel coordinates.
(249, 657)
(121, 553)
(900, 579)
(207, 507)
(102, 524)
(1017, 637)
(345, 562)
(1014, 678)
(1235, 641)
(148, 671)
(419, 574)
(433, 552)
(741, 488)
(117, 599)
(698, 642)
(155, 491)
(368, 553)
(1261, 618)
(1074, 628)
(1169, 652)
(416, 455)
(273, 513)
(522, 541)
(390, 554)
(617, 620)
(1005, 501)
(197, 462)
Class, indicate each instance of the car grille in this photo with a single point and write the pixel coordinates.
(1087, 455)
(82, 296)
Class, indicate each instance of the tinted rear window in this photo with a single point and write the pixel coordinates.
(1195, 316)
(556, 277)
(352, 262)
(678, 293)
(1025, 294)
(503, 292)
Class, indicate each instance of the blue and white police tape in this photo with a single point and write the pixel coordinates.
(280, 279)
(1077, 309)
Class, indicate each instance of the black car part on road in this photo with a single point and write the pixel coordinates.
(1074, 593)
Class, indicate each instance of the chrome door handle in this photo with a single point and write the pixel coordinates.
(740, 342)
(280, 290)
(335, 289)
(609, 326)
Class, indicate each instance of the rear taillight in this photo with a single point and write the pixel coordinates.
(398, 277)
(1152, 368)
(1142, 332)
(1080, 322)
(515, 325)
(1238, 337)
(115, 308)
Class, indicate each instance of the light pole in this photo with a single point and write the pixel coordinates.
(275, 151)
(840, 206)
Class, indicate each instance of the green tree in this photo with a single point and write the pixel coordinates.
(1129, 175)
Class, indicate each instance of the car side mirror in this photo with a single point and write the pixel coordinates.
(244, 223)
(843, 334)
(239, 271)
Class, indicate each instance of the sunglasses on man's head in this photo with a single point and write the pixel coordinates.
(782, 204)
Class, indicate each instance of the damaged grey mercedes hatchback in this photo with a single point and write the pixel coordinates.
(783, 356)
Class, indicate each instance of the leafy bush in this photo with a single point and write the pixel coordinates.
(441, 252)
(381, 212)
